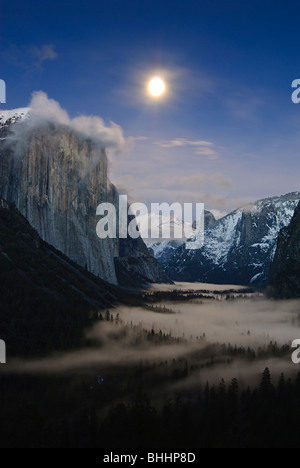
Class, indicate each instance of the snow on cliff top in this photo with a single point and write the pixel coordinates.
(12, 116)
(184, 229)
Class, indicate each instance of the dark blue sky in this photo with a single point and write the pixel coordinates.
(228, 67)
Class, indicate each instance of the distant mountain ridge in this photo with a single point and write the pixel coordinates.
(239, 248)
(160, 222)
(164, 250)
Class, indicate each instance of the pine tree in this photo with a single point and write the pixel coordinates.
(266, 388)
(234, 388)
(281, 386)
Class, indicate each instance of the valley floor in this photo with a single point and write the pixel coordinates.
(191, 366)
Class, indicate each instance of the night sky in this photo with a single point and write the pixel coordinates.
(225, 132)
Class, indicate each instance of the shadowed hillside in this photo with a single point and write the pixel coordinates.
(46, 299)
(285, 270)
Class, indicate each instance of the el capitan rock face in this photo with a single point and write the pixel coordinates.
(284, 281)
(57, 178)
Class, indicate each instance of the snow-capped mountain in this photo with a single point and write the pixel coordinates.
(164, 249)
(8, 117)
(159, 223)
(239, 248)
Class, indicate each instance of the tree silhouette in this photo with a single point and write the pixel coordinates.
(266, 388)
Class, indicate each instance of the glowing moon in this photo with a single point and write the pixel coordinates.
(156, 87)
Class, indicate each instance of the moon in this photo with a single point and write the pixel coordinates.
(156, 87)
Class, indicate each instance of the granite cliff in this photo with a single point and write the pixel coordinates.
(56, 177)
(284, 281)
(47, 301)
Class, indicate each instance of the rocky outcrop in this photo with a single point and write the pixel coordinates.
(133, 271)
(238, 249)
(284, 281)
(209, 220)
(57, 178)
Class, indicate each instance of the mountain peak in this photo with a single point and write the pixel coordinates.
(238, 249)
(8, 117)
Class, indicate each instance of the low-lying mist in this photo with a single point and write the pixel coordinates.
(213, 339)
(250, 322)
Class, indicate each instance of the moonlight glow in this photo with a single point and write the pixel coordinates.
(156, 87)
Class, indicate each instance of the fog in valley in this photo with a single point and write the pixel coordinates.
(242, 322)
(228, 335)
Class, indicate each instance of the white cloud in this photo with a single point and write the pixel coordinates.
(111, 137)
(199, 143)
(42, 54)
(199, 147)
(141, 138)
(48, 108)
(211, 154)
(171, 143)
(46, 52)
(28, 57)
(158, 175)
(93, 126)
(218, 214)
(182, 142)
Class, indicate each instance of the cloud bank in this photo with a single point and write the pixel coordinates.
(200, 147)
(111, 137)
